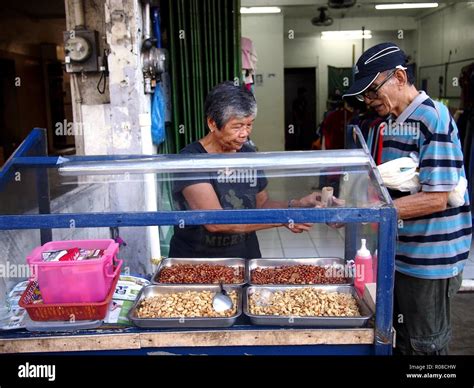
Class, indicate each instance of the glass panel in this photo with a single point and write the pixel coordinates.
(119, 185)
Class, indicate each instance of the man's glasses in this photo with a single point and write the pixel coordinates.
(372, 94)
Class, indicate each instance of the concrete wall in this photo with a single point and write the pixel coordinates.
(450, 30)
(116, 122)
(83, 86)
(266, 33)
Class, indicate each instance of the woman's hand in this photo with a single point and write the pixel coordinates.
(298, 228)
(314, 200)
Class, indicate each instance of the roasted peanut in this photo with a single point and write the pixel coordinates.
(201, 273)
(296, 274)
(303, 302)
(185, 304)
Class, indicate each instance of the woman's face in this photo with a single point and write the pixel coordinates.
(232, 136)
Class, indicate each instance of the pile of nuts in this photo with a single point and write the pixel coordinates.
(297, 274)
(303, 302)
(184, 304)
(201, 273)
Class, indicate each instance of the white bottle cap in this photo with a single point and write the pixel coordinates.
(363, 251)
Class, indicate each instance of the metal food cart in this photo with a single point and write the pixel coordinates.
(242, 338)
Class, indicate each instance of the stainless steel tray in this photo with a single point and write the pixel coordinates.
(282, 262)
(163, 289)
(279, 320)
(230, 262)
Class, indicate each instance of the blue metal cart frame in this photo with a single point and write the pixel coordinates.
(33, 153)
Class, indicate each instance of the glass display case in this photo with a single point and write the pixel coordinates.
(90, 194)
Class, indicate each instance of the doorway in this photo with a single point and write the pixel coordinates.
(300, 108)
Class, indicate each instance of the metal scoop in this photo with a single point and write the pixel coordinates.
(221, 301)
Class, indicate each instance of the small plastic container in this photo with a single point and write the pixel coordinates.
(65, 311)
(78, 281)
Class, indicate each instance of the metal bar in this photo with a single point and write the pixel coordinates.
(187, 85)
(31, 140)
(182, 74)
(196, 114)
(206, 162)
(352, 130)
(214, 58)
(210, 64)
(43, 193)
(237, 43)
(219, 42)
(206, 45)
(225, 47)
(192, 63)
(174, 74)
(448, 63)
(385, 279)
(199, 56)
(250, 216)
(34, 161)
(351, 239)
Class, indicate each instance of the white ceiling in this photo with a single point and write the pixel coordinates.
(363, 8)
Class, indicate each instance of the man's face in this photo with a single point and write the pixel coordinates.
(386, 96)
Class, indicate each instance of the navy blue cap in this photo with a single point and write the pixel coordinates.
(375, 60)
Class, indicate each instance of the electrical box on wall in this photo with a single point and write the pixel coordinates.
(81, 49)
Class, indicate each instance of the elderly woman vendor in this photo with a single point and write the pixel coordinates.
(230, 112)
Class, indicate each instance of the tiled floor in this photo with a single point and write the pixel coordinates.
(321, 240)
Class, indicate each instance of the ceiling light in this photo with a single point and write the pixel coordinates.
(260, 10)
(344, 35)
(406, 5)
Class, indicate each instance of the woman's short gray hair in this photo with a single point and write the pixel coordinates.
(227, 101)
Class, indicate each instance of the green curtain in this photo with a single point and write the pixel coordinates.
(339, 78)
(203, 39)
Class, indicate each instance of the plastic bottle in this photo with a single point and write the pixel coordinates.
(363, 268)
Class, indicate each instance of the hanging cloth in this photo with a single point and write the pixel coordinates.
(249, 54)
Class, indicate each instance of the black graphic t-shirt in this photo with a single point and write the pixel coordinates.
(235, 189)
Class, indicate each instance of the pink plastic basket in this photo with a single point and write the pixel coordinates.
(75, 281)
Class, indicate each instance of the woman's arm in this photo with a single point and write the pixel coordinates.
(201, 196)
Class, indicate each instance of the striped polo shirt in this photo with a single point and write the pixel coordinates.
(434, 246)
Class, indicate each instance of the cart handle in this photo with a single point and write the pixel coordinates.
(117, 268)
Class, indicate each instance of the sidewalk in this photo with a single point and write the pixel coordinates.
(468, 273)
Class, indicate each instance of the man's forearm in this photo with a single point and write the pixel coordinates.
(420, 204)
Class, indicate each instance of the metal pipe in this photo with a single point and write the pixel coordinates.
(449, 63)
(79, 19)
(147, 21)
(268, 161)
(151, 189)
